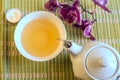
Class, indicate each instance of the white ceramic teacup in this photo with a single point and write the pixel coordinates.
(37, 15)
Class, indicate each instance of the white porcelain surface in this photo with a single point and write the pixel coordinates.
(100, 61)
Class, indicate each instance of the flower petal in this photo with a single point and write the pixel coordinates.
(64, 10)
(71, 16)
(86, 27)
(102, 4)
(69, 13)
(76, 3)
(51, 5)
(87, 31)
(92, 37)
(106, 9)
(79, 16)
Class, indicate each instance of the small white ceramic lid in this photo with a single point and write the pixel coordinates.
(13, 15)
(101, 63)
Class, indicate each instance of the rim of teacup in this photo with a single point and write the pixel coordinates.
(36, 15)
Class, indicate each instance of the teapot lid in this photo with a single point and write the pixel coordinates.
(101, 63)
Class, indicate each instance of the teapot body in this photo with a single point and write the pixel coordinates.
(78, 67)
(79, 61)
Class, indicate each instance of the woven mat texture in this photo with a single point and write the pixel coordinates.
(13, 66)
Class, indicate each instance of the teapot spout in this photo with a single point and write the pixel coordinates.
(72, 47)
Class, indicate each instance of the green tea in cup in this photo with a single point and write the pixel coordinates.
(36, 36)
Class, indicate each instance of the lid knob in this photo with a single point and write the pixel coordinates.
(105, 62)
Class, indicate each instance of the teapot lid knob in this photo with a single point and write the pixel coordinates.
(105, 62)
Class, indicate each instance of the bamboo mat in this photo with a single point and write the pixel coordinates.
(13, 66)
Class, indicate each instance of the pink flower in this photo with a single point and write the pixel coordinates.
(102, 4)
(52, 5)
(86, 27)
(71, 13)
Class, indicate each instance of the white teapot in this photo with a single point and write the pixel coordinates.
(94, 60)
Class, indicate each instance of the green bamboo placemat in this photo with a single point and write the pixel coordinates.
(1, 40)
(13, 66)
